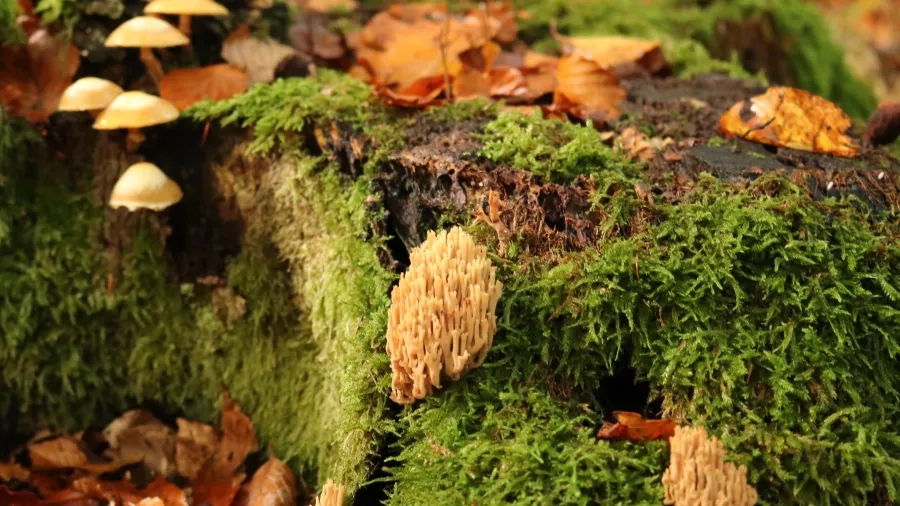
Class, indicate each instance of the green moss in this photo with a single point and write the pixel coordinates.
(10, 33)
(552, 149)
(512, 443)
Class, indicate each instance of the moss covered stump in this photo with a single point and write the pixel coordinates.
(751, 290)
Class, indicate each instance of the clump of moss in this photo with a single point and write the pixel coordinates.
(10, 33)
(555, 150)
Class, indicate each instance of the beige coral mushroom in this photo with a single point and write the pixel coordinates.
(442, 316)
(699, 476)
(332, 495)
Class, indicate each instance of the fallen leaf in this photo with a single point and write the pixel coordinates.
(637, 145)
(137, 436)
(883, 126)
(586, 89)
(33, 76)
(170, 494)
(238, 440)
(633, 427)
(790, 118)
(15, 498)
(419, 93)
(220, 493)
(186, 87)
(57, 453)
(115, 491)
(273, 484)
(47, 483)
(328, 5)
(69, 498)
(195, 445)
(257, 57)
(310, 35)
(10, 471)
(611, 51)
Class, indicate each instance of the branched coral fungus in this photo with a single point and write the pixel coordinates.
(442, 314)
(332, 495)
(699, 476)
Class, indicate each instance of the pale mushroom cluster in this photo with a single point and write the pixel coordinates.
(442, 317)
(699, 476)
(142, 185)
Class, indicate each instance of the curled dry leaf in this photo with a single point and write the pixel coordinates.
(327, 5)
(119, 492)
(586, 89)
(790, 118)
(612, 51)
(195, 444)
(238, 440)
(170, 494)
(633, 427)
(637, 145)
(68, 497)
(421, 92)
(34, 75)
(137, 436)
(884, 124)
(186, 87)
(257, 57)
(11, 471)
(310, 35)
(273, 484)
(69, 453)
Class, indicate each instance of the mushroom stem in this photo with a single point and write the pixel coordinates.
(134, 139)
(154, 67)
(184, 24)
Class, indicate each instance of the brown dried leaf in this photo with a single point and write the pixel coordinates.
(633, 427)
(33, 76)
(884, 124)
(310, 35)
(238, 440)
(611, 51)
(137, 436)
(196, 443)
(68, 498)
(257, 57)
(186, 87)
(586, 89)
(170, 494)
(790, 118)
(422, 92)
(273, 484)
(10, 471)
(15, 498)
(328, 5)
(120, 492)
(57, 453)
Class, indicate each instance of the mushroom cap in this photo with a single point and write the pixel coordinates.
(186, 7)
(146, 31)
(136, 109)
(89, 94)
(145, 186)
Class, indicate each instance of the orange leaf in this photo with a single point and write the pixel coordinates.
(116, 491)
(273, 484)
(611, 51)
(633, 427)
(10, 471)
(422, 92)
(68, 498)
(221, 493)
(507, 82)
(238, 440)
(790, 118)
(186, 87)
(13, 498)
(170, 494)
(586, 89)
(34, 75)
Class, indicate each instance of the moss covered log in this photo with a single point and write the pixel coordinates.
(752, 291)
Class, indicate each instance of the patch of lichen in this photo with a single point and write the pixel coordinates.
(688, 32)
(555, 150)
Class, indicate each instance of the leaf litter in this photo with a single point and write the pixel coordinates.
(137, 460)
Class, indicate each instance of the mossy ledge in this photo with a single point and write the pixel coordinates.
(733, 287)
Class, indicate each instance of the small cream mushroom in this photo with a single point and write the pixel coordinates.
(134, 110)
(185, 9)
(146, 33)
(90, 94)
(145, 186)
